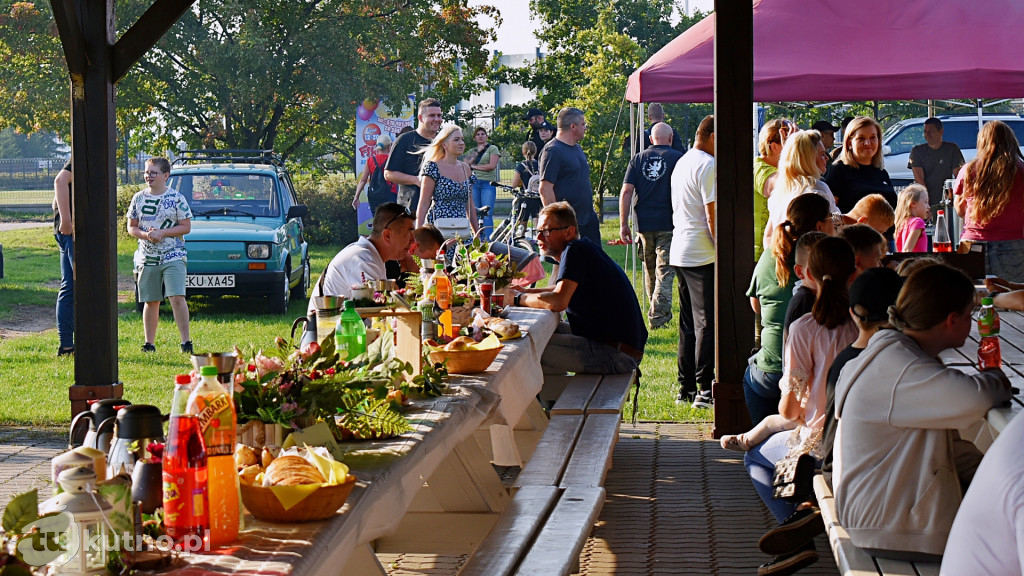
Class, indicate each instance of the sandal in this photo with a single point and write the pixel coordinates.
(735, 442)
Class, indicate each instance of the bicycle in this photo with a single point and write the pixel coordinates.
(517, 230)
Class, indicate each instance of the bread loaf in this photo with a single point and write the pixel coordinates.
(460, 343)
(292, 471)
(502, 327)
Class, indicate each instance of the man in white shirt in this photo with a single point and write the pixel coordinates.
(364, 259)
(693, 255)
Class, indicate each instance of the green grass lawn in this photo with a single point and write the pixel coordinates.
(35, 382)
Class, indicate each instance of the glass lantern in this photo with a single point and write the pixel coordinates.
(86, 541)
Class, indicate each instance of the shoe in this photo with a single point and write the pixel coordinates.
(186, 347)
(65, 352)
(790, 563)
(684, 398)
(799, 529)
(147, 347)
(660, 323)
(703, 399)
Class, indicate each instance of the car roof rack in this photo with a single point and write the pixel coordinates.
(229, 156)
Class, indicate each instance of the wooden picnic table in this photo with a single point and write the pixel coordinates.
(430, 490)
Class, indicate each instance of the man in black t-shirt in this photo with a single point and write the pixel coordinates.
(565, 173)
(935, 161)
(650, 175)
(605, 333)
(403, 166)
(536, 118)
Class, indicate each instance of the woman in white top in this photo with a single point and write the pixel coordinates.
(799, 173)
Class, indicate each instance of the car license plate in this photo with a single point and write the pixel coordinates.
(210, 281)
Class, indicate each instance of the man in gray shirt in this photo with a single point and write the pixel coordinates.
(934, 161)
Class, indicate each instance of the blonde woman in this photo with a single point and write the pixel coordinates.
(798, 174)
(859, 169)
(446, 182)
(989, 196)
(769, 147)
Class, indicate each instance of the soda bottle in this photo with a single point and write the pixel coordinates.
(186, 505)
(439, 288)
(215, 414)
(350, 334)
(940, 240)
(989, 354)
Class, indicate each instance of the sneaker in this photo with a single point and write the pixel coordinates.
(147, 347)
(796, 531)
(186, 347)
(790, 563)
(684, 397)
(660, 322)
(703, 399)
(65, 352)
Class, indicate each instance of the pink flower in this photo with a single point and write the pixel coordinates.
(266, 364)
(308, 350)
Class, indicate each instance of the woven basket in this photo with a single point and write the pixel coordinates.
(465, 361)
(261, 503)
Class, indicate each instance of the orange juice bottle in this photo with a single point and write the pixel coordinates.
(211, 404)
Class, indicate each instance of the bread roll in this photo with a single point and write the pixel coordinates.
(460, 343)
(502, 327)
(245, 456)
(249, 473)
(266, 457)
(292, 471)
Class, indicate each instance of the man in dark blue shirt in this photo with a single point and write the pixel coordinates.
(606, 332)
(565, 174)
(649, 175)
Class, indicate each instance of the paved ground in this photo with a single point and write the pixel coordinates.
(677, 504)
(21, 225)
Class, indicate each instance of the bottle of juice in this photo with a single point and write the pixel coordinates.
(989, 353)
(350, 334)
(186, 505)
(940, 240)
(439, 288)
(215, 414)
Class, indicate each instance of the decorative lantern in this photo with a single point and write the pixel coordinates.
(85, 542)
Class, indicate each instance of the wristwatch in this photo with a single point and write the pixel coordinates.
(515, 301)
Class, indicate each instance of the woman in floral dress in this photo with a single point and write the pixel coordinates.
(446, 181)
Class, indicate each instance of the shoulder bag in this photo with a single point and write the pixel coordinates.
(458, 227)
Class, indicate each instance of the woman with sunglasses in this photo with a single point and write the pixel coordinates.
(799, 173)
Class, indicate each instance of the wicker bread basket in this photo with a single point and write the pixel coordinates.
(263, 504)
(465, 361)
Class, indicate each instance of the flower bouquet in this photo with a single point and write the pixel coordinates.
(476, 263)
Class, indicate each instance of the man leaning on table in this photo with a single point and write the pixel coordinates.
(605, 333)
(364, 259)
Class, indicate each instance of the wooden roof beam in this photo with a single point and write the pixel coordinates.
(145, 33)
(71, 39)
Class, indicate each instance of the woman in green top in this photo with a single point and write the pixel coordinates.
(769, 145)
(771, 288)
(484, 161)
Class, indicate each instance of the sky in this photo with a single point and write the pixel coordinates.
(515, 36)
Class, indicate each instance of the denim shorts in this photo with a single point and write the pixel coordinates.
(155, 282)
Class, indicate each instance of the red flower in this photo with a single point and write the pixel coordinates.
(329, 371)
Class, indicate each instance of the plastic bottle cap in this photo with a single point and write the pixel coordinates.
(182, 379)
(986, 301)
(940, 212)
(208, 371)
(349, 305)
(438, 266)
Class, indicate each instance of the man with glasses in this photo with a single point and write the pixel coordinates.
(605, 333)
(364, 259)
(934, 161)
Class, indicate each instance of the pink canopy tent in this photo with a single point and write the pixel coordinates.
(842, 50)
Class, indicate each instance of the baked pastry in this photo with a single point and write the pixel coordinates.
(292, 471)
(460, 343)
(266, 457)
(245, 456)
(248, 474)
(503, 327)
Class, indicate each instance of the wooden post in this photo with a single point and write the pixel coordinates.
(734, 246)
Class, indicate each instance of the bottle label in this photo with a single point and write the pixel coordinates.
(184, 499)
(216, 423)
(988, 323)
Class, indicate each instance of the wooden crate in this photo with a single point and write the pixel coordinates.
(408, 345)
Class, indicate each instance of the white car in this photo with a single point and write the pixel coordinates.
(962, 130)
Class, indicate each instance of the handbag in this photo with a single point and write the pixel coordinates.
(454, 227)
(794, 474)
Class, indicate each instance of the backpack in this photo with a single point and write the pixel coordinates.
(378, 190)
(533, 184)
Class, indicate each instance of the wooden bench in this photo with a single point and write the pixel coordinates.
(853, 561)
(559, 493)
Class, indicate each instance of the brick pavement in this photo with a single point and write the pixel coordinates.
(25, 455)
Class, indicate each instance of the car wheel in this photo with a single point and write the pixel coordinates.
(301, 290)
(277, 301)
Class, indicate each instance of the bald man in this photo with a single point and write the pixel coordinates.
(648, 182)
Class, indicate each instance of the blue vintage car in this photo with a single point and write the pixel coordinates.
(246, 236)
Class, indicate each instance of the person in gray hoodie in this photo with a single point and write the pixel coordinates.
(900, 467)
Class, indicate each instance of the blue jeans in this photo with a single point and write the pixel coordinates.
(66, 293)
(1005, 259)
(484, 195)
(758, 386)
(568, 353)
(760, 464)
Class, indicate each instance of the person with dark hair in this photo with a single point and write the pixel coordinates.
(868, 245)
(900, 468)
(693, 254)
(403, 166)
(935, 161)
(989, 195)
(565, 173)
(483, 160)
(535, 117)
(605, 333)
(827, 131)
(364, 259)
(63, 230)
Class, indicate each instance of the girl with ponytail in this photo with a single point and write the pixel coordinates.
(899, 407)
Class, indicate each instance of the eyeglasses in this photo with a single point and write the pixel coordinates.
(404, 212)
(545, 232)
(153, 173)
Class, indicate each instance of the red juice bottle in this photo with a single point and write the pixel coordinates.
(940, 240)
(186, 498)
(989, 353)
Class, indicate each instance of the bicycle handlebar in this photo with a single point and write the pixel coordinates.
(515, 191)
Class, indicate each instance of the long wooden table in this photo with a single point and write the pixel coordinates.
(429, 490)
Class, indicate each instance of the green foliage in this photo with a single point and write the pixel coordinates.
(329, 199)
(33, 145)
(21, 510)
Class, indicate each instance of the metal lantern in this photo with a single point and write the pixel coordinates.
(86, 541)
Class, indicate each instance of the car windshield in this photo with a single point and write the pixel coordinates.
(228, 194)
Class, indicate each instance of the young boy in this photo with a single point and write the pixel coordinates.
(873, 210)
(868, 245)
(160, 217)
